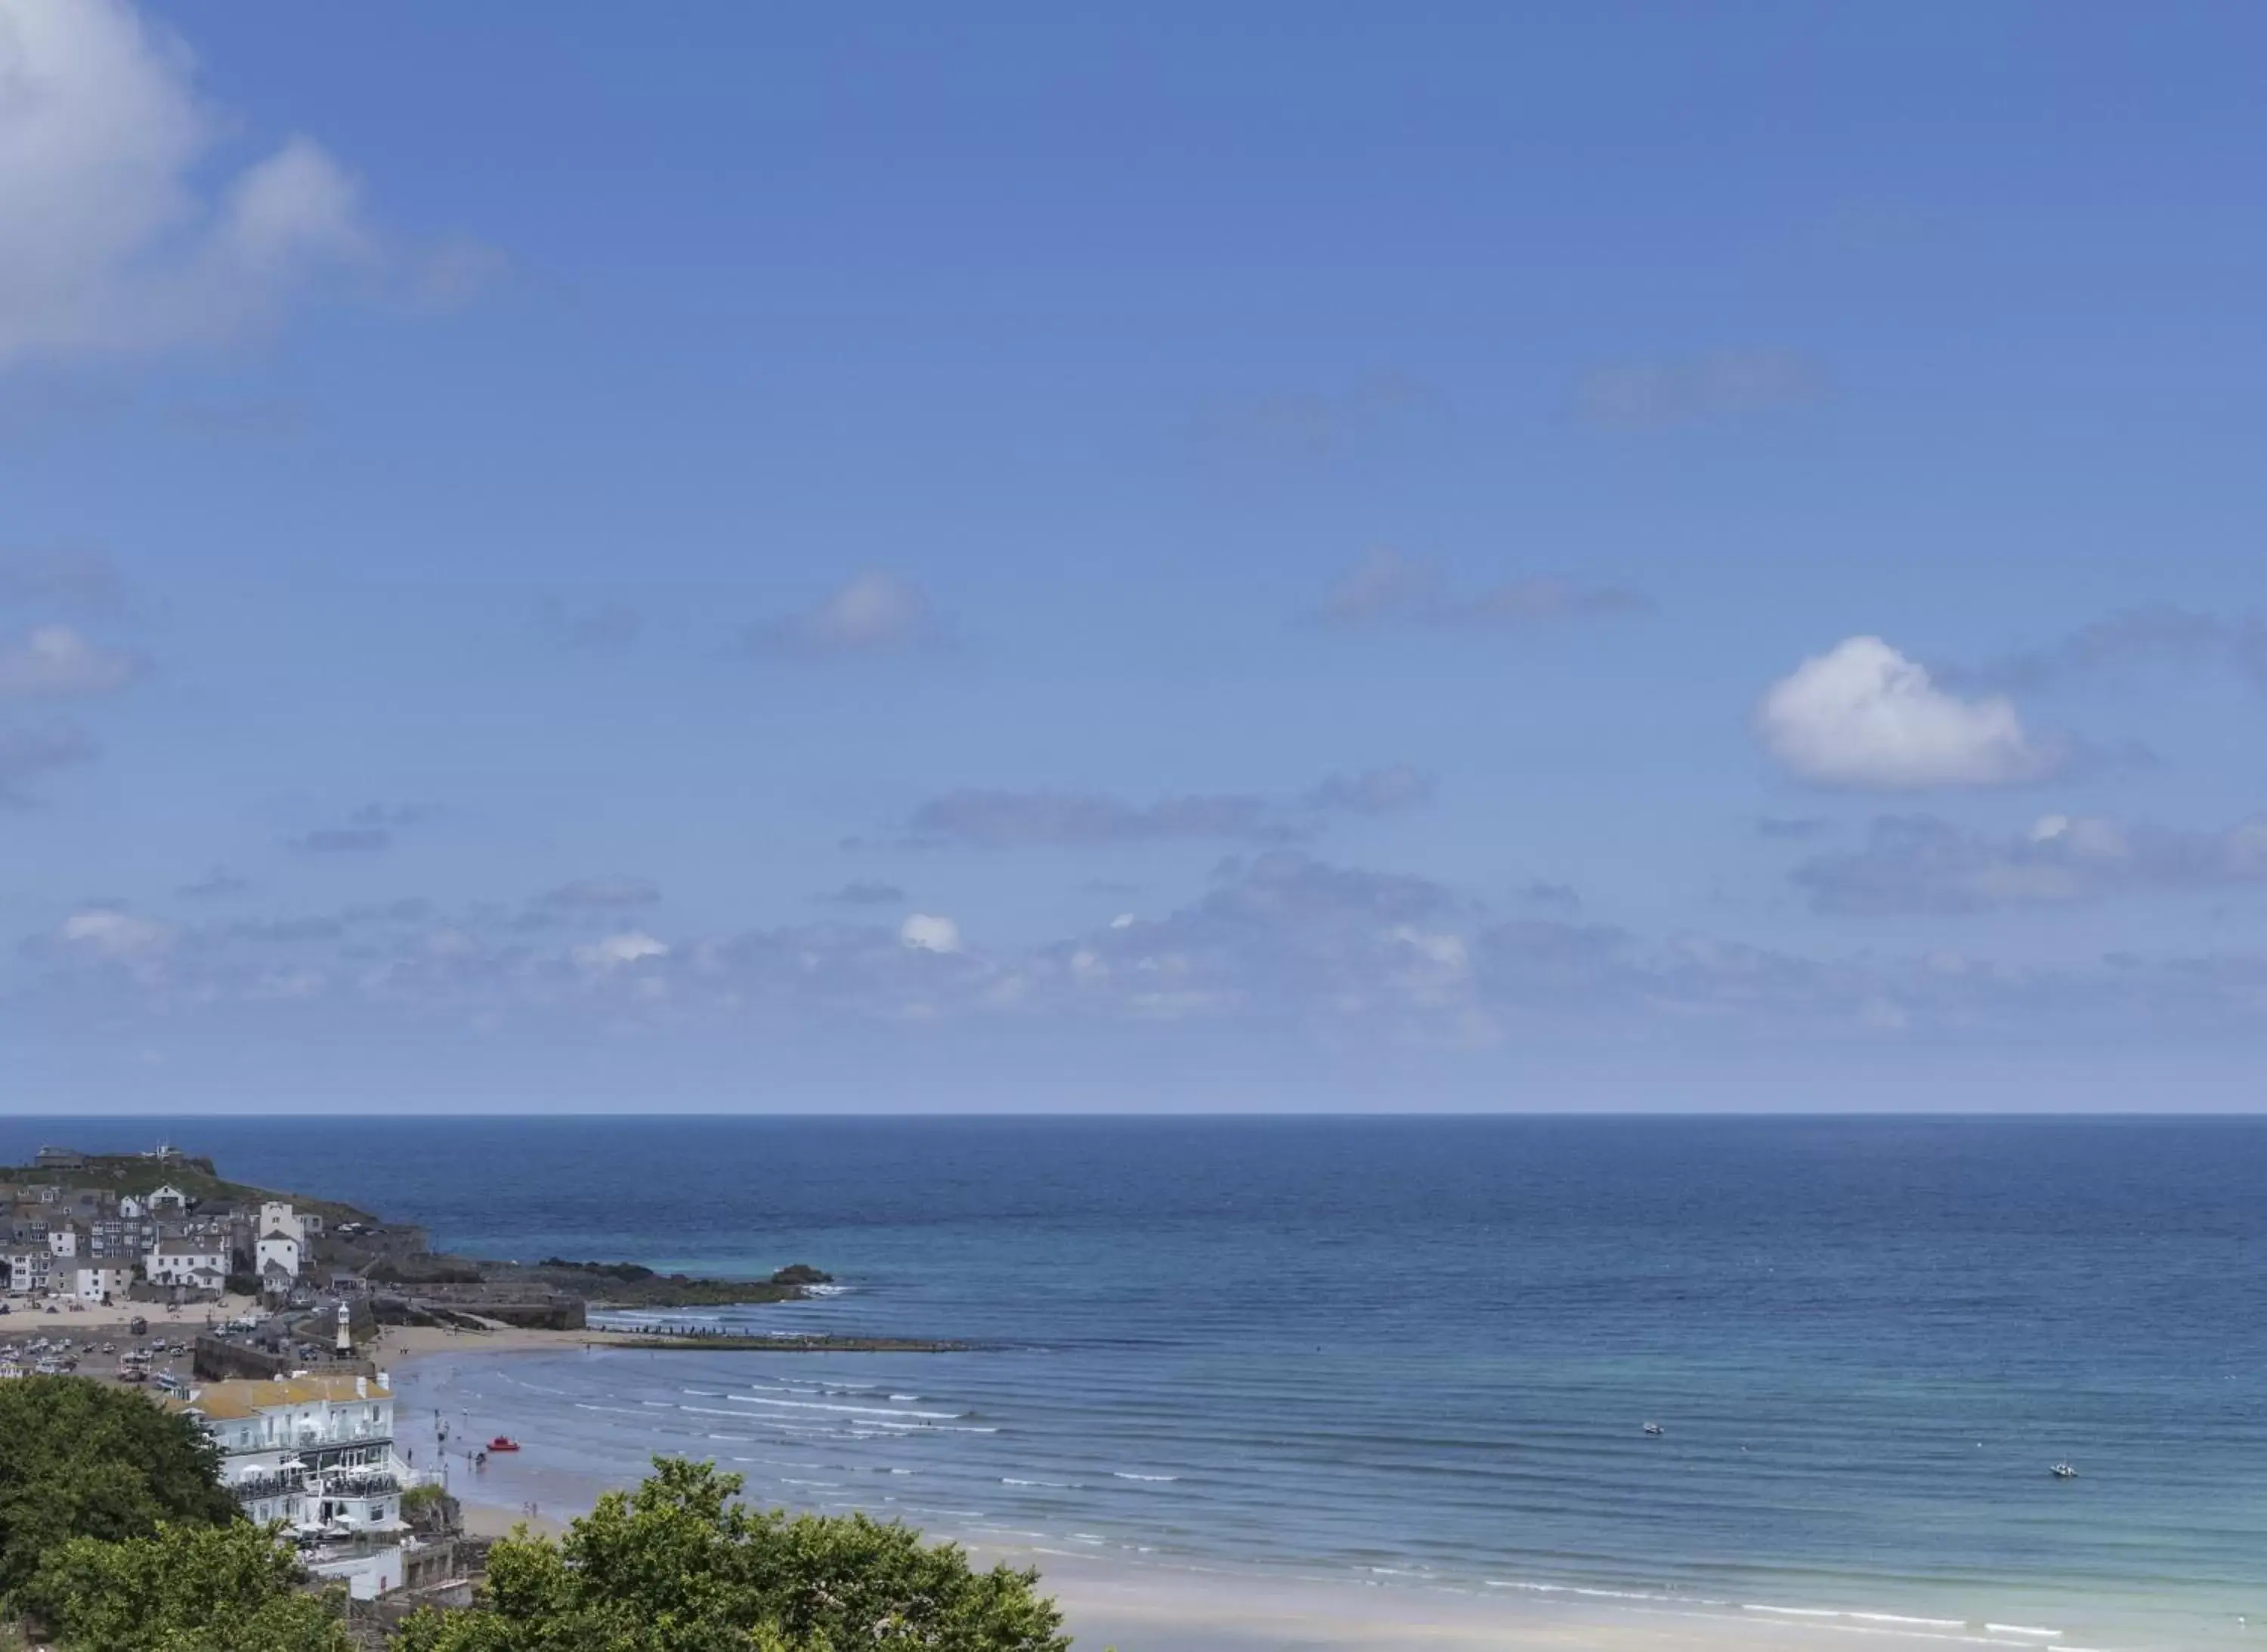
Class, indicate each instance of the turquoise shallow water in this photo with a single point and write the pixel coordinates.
(1422, 1349)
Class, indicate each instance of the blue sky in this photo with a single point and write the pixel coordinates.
(1632, 557)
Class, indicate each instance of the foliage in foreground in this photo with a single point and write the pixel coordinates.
(80, 1459)
(184, 1589)
(677, 1565)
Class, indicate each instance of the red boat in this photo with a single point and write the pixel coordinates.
(503, 1442)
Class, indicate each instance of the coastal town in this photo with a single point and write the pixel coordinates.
(265, 1318)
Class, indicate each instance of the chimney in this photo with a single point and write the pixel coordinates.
(362, 1388)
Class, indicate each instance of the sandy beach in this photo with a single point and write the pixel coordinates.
(1183, 1605)
(1111, 1602)
(396, 1344)
(26, 1317)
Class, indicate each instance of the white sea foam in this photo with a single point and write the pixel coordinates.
(853, 1411)
(2018, 1628)
(1051, 1485)
(1123, 1474)
(1923, 1623)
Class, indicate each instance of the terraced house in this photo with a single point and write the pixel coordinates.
(316, 1453)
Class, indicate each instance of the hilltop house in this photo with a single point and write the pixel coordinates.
(191, 1263)
(168, 1200)
(99, 1283)
(283, 1240)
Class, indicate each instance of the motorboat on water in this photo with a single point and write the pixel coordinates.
(2064, 1471)
(1655, 1429)
(503, 1442)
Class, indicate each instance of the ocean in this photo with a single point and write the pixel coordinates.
(1420, 1350)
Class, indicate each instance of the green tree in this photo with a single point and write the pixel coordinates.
(183, 1589)
(80, 1459)
(679, 1566)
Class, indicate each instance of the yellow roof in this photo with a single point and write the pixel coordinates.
(248, 1397)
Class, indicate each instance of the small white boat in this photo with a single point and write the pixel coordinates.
(1655, 1429)
(2064, 1471)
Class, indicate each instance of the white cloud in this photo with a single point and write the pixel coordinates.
(1691, 389)
(875, 613)
(631, 946)
(927, 934)
(1862, 715)
(116, 937)
(56, 662)
(116, 245)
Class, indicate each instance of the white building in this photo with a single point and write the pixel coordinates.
(132, 1209)
(62, 1240)
(29, 1268)
(279, 1248)
(367, 1575)
(277, 1216)
(193, 1264)
(167, 1200)
(101, 1282)
(313, 1452)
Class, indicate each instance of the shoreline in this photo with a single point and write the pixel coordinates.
(404, 1343)
(1187, 1603)
(1194, 1602)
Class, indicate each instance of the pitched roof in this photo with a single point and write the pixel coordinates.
(247, 1397)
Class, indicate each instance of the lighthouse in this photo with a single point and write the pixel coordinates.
(346, 1336)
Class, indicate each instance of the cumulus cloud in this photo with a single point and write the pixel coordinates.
(29, 753)
(1696, 389)
(609, 626)
(1387, 587)
(859, 892)
(1001, 819)
(927, 934)
(215, 884)
(1540, 896)
(1312, 426)
(1373, 791)
(1865, 716)
(1280, 945)
(875, 613)
(142, 247)
(632, 946)
(1919, 863)
(2114, 648)
(602, 894)
(108, 936)
(77, 579)
(369, 830)
(56, 662)
(991, 819)
(1791, 827)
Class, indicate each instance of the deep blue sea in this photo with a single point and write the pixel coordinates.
(1424, 1348)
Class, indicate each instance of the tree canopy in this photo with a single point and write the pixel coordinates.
(678, 1566)
(182, 1589)
(79, 1459)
